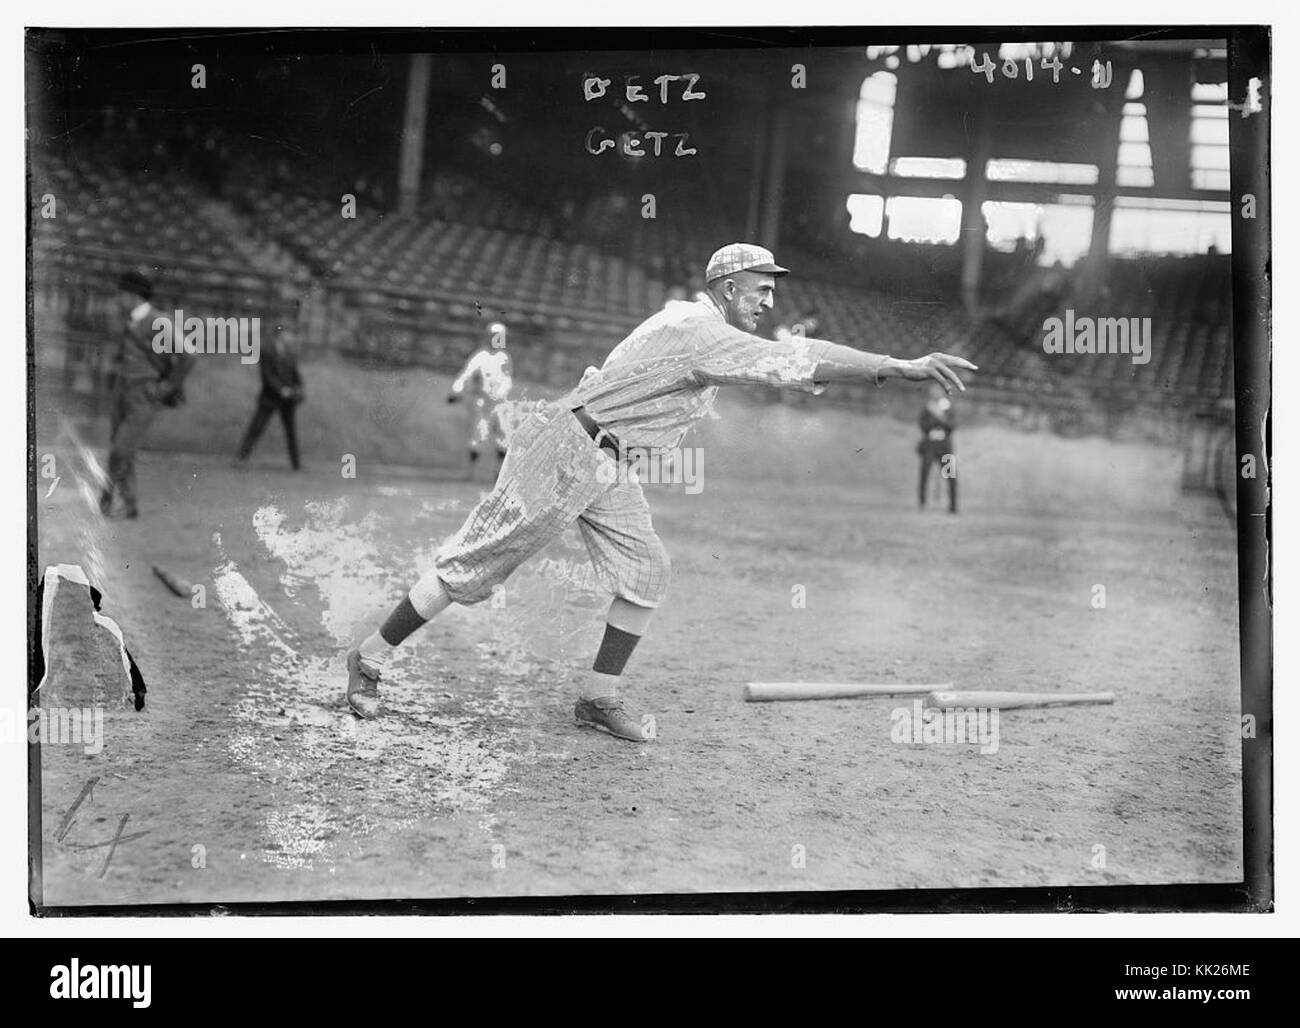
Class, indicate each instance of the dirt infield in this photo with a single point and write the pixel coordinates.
(249, 781)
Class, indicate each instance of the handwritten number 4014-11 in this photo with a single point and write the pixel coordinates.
(1011, 67)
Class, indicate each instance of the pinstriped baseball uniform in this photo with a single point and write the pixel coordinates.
(653, 386)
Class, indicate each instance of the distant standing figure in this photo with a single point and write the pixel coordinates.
(281, 392)
(937, 424)
(141, 383)
(487, 380)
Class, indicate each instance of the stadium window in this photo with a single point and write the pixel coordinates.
(924, 219)
(1033, 51)
(1065, 227)
(1209, 139)
(1050, 172)
(866, 214)
(1017, 51)
(875, 126)
(1133, 164)
(1140, 225)
(928, 167)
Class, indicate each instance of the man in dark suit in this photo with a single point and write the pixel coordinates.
(281, 392)
(141, 384)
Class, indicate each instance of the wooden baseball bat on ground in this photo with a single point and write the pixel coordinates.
(176, 585)
(1014, 700)
(766, 692)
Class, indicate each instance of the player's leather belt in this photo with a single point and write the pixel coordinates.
(603, 438)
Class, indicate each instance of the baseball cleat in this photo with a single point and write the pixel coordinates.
(610, 714)
(363, 687)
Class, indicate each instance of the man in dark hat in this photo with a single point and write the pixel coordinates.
(281, 390)
(141, 383)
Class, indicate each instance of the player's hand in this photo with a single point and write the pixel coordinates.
(938, 367)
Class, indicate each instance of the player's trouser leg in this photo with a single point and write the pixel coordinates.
(479, 428)
(925, 475)
(265, 408)
(948, 466)
(631, 562)
(497, 432)
(287, 412)
(550, 476)
(134, 413)
(116, 415)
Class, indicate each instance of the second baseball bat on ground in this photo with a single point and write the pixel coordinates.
(767, 692)
(1012, 700)
(178, 586)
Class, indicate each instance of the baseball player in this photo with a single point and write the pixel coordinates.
(141, 383)
(563, 462)
(487, 380)
(938, 421)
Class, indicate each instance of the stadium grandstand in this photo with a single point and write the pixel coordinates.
(928, 197)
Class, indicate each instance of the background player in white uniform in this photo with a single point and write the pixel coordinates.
(562, 467)
(486, 379)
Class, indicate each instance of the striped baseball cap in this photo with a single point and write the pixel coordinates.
(736, 257)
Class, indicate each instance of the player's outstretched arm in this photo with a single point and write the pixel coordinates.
(839, 363)
(469, 375)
